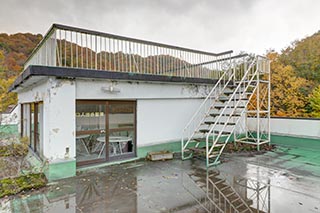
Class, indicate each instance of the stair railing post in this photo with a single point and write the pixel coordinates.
(258, 105)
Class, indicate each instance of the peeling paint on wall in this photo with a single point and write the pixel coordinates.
(196, 90)
(56, 130)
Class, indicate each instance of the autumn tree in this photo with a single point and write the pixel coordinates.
(304, 56)
(288, 92)
(314, 99)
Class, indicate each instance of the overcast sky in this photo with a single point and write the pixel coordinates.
(210, 25)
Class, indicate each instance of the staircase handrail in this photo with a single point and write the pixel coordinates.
(207, 98)
(226, 106)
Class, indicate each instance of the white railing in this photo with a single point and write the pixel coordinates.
(228, 76)
(71, 47)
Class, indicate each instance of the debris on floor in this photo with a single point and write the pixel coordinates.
(162, 155)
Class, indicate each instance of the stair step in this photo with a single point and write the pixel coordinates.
(237, 199)
(214, 173)
(222, 133)
(199, 139)
(224, 188)
(198, 150)
(204, 130)
(232, 193)
(247, 210)
(231, 92)
(214, 154)
(241, 204)
(219, 144)
(230, 107)
(232, 86)
(215, 131)
(220, 123)
(252, 82)
(219, 181)
(233, 99)
(215, 114)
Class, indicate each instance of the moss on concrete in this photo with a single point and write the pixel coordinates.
(12, 186)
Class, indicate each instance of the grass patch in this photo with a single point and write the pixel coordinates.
(12, 186)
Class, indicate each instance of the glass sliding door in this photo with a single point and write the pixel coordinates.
(105, 131)
(90, 131)
(121, 129)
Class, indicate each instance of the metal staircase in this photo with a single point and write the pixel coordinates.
(223, 110)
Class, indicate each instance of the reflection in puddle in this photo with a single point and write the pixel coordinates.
(88, 194)
(173, 186)
(228, 193)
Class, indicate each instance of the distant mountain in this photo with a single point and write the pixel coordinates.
(14, 50)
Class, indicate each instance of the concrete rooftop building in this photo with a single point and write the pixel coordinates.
(90, 98)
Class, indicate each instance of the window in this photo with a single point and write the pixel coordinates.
(32, 125)
(105, 131)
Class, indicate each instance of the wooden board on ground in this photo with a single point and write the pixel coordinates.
(162, 155)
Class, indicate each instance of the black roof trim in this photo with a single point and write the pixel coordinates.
(66, 72)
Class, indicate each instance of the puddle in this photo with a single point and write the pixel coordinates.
(175, 186)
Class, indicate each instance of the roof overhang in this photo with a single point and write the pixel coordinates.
(36, 73)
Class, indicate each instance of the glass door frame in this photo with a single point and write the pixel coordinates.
(85, 132)
(34, 135)
(134, 153)
(107, 130)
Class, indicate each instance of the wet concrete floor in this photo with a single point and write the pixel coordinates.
(266, 180)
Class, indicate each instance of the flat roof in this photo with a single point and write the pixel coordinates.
(66, 72)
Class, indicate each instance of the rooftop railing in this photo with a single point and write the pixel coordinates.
(71, 47)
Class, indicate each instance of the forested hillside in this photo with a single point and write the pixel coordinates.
(296, 79)
(295, 73)
(14, 50)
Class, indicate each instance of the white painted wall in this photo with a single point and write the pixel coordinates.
(163, 109)
(58, 98)
(160, 121)
(92, 89)
(60, 119)
(292, 127)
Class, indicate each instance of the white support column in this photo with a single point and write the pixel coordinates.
(59, 120)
